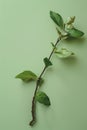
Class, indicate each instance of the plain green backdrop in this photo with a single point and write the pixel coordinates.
(26, 31)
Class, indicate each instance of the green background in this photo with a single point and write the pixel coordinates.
(26, 31)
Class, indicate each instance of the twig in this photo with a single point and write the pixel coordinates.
(33, 111)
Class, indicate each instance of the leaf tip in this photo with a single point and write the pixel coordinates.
(83, 33)
(41, 97)
(26, 76)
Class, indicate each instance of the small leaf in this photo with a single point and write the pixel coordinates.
(27, 76)
(64, 53)
(70, 20)
(54, 46)
(41, 97)
(47, 62)
(75, 33)
(57, 19)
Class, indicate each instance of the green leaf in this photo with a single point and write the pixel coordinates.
(75, 33)
(54, 46)
(64, 53)
(41, 97)
(57, 19)
(47, 62)
(27, 76)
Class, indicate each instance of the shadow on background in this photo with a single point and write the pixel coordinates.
(75, 40)
(70, 61)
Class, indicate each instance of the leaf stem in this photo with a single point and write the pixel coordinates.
(33, 111)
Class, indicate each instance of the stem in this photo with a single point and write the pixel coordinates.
(33, 111)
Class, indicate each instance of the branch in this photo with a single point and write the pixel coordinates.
(33, 111)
